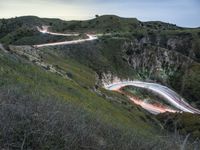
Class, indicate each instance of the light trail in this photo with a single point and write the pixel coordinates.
(170, 96)
(44, 30)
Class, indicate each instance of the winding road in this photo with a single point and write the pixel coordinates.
(168, 95)
(45, 30)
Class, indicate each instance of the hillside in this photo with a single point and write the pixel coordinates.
(53, 97)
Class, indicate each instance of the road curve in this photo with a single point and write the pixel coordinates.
(169, 95)
(44, 30)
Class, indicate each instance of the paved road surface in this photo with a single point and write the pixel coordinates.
(44, 30)
(169, 95)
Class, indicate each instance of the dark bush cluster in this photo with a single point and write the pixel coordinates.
(46, 123)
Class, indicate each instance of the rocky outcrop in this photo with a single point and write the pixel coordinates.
(106, 78)
(154, 61)
(172, 62)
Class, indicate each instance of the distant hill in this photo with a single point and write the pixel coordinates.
(106, 23)
(21, 30)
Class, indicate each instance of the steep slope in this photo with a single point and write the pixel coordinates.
(72, 76)
(149, 50)
(33, 94)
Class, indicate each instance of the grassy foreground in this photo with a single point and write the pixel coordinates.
(41, 110)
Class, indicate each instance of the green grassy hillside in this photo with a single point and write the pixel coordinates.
(52, 97)
(28, 90)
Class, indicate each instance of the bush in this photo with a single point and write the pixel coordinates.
(45, 123)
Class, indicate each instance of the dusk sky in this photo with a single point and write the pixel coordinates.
(181, 12)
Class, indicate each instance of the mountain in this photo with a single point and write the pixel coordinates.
(53, 97)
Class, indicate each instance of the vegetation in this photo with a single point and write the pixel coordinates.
(34, 84)
(44, 110)
(186, 124)
(28, 123)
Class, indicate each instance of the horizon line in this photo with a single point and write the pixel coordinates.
(90, 17)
